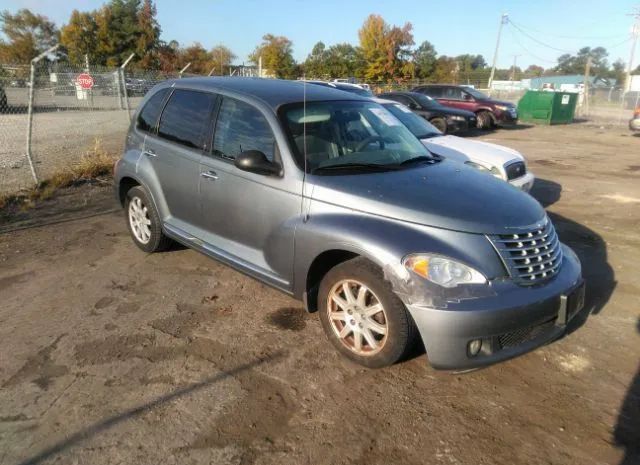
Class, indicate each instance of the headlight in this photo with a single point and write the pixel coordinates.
(442, 271)
(455, 118)
(494, 171)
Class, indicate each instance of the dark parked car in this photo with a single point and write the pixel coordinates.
(489, 112)
(331, 199)
(447, 120)
(4, 106)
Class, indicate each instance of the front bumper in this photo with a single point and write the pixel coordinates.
(512, 321)
(524, 183)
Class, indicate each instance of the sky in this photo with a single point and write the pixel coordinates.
(547, 28)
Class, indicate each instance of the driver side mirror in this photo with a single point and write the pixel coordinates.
(254, 161)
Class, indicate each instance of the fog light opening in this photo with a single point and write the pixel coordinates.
(474, 346)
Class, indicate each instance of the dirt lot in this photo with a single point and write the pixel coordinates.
(112, 356)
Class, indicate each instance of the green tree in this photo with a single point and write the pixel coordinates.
(277, 56)
(445, 70)
(425, 57)
(28, 35)
(78, 37)
(576, 64)
(386, 49)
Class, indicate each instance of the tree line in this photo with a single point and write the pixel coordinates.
(384, 53)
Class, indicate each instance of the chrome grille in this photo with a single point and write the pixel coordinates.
(531, 256)
(515, 170)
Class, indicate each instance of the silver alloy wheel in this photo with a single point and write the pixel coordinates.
(357, 317)
(139, 220)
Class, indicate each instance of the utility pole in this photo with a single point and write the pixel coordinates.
(635, 32)
(585, 95)
(513, 70)
(504, 19)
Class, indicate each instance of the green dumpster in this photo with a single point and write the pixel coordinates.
(547, 107)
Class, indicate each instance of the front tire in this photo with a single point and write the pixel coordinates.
(362, 317)
(484, 120)
(143, 221)
(440, 124)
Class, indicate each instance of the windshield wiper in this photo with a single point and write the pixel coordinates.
(355, 167)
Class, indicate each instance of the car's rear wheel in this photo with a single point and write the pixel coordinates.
(440, 124)
(143, 221)
(362, 317)
(484, 120)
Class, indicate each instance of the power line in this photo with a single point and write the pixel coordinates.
(538, 41)
(527, 51)
(614, 36)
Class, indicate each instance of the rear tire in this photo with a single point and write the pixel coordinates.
(440, 124)
(485, 120)
(143, 221)
(362, 316)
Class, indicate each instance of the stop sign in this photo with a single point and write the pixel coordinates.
(85, 81)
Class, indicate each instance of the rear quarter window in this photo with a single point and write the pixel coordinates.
(148, 117)
(186, 117)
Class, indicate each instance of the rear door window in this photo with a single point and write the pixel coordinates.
(241, 127)
(148, 117)
(186, 117)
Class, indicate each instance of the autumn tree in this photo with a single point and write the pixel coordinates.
(386, 49)
(78, 37)
(534, 70)
(28, 35)
(277, 56)
(221, 58)
(149, 36)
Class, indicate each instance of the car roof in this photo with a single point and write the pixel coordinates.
(273, 92)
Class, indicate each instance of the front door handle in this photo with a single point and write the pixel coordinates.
(209, 175)
(150, 153)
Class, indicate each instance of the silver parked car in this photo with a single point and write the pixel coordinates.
(328, 197)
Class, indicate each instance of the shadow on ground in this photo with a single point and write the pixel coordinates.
(627, 431)
(103, 425)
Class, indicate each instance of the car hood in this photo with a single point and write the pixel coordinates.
(459, 149)
(444, 195)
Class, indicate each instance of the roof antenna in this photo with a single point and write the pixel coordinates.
(305, 215)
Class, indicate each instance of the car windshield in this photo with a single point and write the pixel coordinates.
(354, 135)
(425, 101)
(476, 93)
(418, 126)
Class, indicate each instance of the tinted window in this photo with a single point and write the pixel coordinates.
(432, 91)
(241, 127)
(149, 115)
(186, 117)
(452, 93)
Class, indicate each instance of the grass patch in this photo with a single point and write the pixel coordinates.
(94, 164)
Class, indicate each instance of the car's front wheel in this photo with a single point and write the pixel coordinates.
(361, 315)
(143, 221)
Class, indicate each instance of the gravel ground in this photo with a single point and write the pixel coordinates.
(112, 356)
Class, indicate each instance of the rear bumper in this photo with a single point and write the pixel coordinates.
(511, 322)
(524, 183)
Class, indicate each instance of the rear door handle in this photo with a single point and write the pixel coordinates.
(209, 175)
(150, 153)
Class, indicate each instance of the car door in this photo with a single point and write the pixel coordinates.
(175, 150)
(247, 217)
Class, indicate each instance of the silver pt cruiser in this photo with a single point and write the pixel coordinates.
(328, 197)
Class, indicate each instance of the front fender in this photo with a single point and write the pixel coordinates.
(384, 241)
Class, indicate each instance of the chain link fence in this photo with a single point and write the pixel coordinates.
(67, 122)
